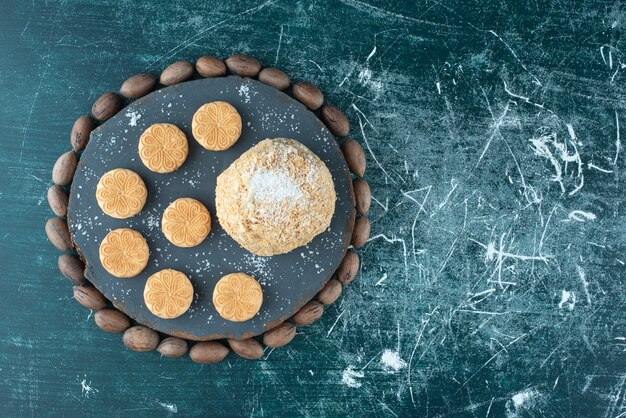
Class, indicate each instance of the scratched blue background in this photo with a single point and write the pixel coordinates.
(493, 283)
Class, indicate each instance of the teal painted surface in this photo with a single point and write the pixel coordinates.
(494, 281)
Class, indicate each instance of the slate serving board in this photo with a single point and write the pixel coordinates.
(288, 280)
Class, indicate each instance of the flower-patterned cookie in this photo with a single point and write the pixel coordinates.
(124, 253)
(216, 126)
(163, 148)
(186, 222)
(237, 297)
(168, 293)
(121, 193)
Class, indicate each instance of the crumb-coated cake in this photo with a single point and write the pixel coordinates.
(276, 197)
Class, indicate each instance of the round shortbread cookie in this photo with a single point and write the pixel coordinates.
(168, 293)
(216, 126)
(163, 148)
(186, 222)
(124, 253)
(237, 297)
(121, 193)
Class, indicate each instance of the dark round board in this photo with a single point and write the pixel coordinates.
(288, 280)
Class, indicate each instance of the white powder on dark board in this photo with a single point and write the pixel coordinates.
(152, 221)
(258, 263)
(273, 187)
(134, 117)
(244, 91)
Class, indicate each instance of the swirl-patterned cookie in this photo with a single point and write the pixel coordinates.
(216, 126)
(124, 253)
(237, 297)
(163, 148)
(186, 222)
(121, 193)
(168, 294)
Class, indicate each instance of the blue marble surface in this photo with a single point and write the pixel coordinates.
(493, 281)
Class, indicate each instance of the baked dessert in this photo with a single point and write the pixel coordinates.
(237, 297)
(121, 193)
(216, 126)
(163, 147)
(186, 222)
(168, 293)
(276, 197)
(124, 253)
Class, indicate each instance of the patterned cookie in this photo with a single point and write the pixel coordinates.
(121, 193)
(163, 148)
(168, 294)
(216, 126)
(124, 253)
(186, 222)
(237, 297)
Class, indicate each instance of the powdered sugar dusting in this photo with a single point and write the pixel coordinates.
(273, 186)
(244, 91)
(134, 116)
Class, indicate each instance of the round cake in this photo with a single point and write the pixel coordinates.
(276, 197)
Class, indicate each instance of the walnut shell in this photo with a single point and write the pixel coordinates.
(81, 131)
(106, 106)
(331, 292)
(173, 347)
(355, 157)
(280, 335)
(112, 320)
(249, 348)
(309, 313)
(89, 297)
(59, 234)
(72, 268)
(208, 66)
(140, 338)
(176, 73)
(361, 232)
(348, 268)
(208, 352)
(64, 168)
(138, 85)
(308, 95)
